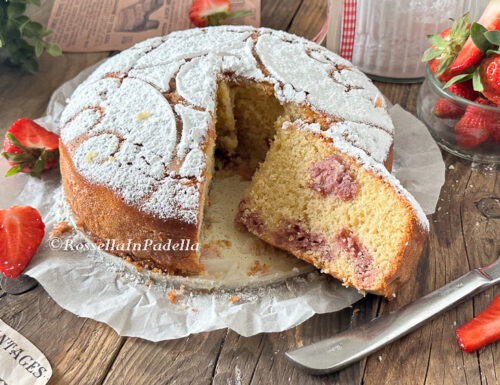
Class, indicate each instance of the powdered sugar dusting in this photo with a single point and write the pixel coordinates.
(123, 102)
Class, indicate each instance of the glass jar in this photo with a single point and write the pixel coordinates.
(390, 36)
(444, 130)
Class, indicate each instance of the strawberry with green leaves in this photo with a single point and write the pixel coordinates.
(445, 48)
(484, 329)
(21, 232)
(472, 51)
(203, 13)
(30, 148)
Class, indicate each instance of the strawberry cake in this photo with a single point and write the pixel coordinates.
(140, 139)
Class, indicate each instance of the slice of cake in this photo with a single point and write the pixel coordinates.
(330, 204)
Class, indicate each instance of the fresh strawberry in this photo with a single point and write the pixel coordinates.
(30, 148)
(470, 54)
(212, 12)
(484, 329)
(445, 48)
(490, 78)
(21, 231)
(448, 109)
(477, 124)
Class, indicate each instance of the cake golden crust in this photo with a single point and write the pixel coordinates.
(104, 216)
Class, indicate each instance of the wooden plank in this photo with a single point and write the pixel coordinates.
(309, 18)
(183, 361)
(260, 359)
(278, 14)
(79, 350)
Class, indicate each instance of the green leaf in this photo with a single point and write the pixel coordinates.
(34, 2)
(477, 34)
(457, 79)
(493, 37)
(15, 9)
(476, 81)
(14, 170)
(237, 14)
(438, 41)
(38, 47)
(431, 53)
(53, 49)
(443, 65)
(39, 165)
(492, 51)
(460, 25)
(32, 29)
(15, 142)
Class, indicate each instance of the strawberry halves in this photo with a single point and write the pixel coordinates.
(482, 330)
(21, 232)
(30, 148)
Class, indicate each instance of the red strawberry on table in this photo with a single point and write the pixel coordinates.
(212, 12)
(477, 124)
(448, 109)
(30, 148)
(484, 329)
(470, 54)
(490, 78)
(21, 232)
(445, 48)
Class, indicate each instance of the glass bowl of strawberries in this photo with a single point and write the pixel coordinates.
(459, 100)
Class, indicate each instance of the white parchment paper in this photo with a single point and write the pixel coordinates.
(93, 284)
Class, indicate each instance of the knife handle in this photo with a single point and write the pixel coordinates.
(352, 345)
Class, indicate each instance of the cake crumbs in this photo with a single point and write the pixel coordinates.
(172, 295)
(182, 290)
(257, 268)
(89, 157)
(143, 115)
(111, 158)
(235, 298)
(451, 167)
(193, 309)
(59, 229)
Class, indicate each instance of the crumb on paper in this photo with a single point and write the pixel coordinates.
(224, 243)
(172, 295)
(257, 268)
(235, 298)
(193, 309)
(59, 229)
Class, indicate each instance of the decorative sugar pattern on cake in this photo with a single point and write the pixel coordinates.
(123, 132)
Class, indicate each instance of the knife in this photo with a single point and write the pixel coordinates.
(348, 347)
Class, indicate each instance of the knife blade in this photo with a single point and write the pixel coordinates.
(348, 347)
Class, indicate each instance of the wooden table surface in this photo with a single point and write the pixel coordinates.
(83, 351)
